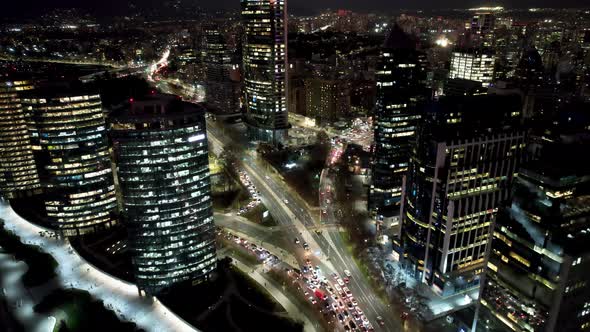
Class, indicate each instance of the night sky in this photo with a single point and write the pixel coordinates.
(34, 7)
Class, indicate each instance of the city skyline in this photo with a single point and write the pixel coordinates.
(271, 165)
(29, 8)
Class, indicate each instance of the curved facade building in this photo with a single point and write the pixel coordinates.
(71, 130)
(265, 64)
(18, 170)
(160, 145)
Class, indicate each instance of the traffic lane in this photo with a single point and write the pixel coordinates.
(366, 300)
(335, 256)
(273, 197)
(285, 218)
(373, 302)
(364, 304)
(390, 315)
(284, 195)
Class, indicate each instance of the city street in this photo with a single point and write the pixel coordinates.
(326, 249)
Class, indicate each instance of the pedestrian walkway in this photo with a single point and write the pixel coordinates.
(19, 300)
(73, 272)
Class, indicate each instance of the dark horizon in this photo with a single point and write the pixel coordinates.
(32, 8)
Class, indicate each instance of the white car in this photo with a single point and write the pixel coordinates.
(347, 273)
(340, 282)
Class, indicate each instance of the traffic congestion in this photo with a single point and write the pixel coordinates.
(327, 293)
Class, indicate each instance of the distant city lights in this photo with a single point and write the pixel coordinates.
(442, 41)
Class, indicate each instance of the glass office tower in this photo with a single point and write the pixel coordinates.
(401, 77)
(265, 69)
(537, 274)
(75, 163)
(18, 170)
(161, 152)
(466, 156)
(473, 64)
(222, 83)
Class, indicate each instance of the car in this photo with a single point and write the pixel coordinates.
(404, 315)
(346, 328)
(338, 288)
(335, 305)
(380, 320)
(346, 280)
(352, 325)
(305, 293)
(347, 273)
(348, 293)
(340, 318)
(356, 316)
(340, 282)
(346, 314)
(312, 300)
(286, 201)
(359, 311)
(297, 241)
(353, 301)
(341, 305)
(350, 306)
(365, 321)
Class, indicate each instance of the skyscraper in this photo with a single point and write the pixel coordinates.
(400, 86)
(537, 275)
(75, 165)
(265, 69)
(461, 170)
(483, 24)
(473, 64)
(160, 145)
(18, 170)
(222, 76)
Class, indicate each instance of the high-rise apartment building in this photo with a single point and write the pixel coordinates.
(401, 76)
(265, 69)
(537, 275)
(160, 145)
(75, 164)
(327, 99)
(18, 170)
(474, 65)
(466, 156)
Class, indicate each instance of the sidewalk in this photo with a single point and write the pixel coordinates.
(19, 300)
(278, 295)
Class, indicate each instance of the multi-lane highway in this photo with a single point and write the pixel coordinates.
(327, 248)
